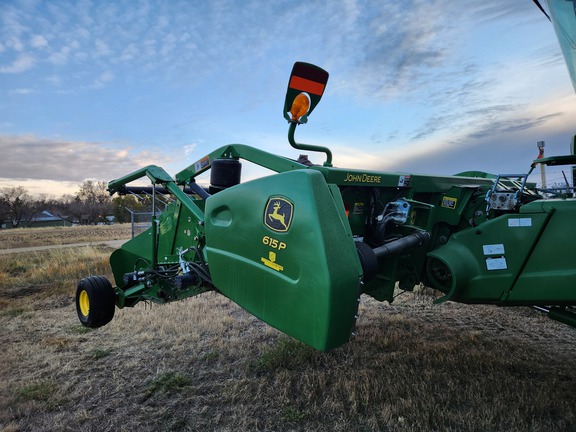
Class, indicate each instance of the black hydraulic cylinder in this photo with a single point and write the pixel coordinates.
(198, 190)
(400, 245)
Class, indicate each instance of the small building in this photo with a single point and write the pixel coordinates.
(47, 219)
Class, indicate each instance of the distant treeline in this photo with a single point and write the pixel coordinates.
(92, 204)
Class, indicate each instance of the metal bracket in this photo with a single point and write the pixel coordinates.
(506, 192)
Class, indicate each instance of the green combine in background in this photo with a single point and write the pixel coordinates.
(298, 248)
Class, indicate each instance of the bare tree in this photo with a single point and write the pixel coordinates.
(125, 203)
(35, 208)
(4, 211)
(17, 205)
(90, 205)
(64, 208)
(93, 202)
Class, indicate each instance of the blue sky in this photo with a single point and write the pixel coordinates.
(97, 89)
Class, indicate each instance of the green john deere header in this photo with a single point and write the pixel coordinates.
(298, 248)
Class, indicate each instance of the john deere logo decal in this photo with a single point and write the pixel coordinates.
(278, 214)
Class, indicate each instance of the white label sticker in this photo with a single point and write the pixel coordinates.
(404, 181)
(496, 263)
(201, 164)
(519, 222)
(494, 249)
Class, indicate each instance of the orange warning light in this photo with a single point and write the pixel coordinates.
(300, 106)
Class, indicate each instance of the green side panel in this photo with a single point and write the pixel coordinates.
(480, 174)
(178, 229)
(549, 277)
(167, 228)
(281, 248)
(480, 265)
(135, 254)
(356, 204)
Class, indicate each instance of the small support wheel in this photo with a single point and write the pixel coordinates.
(95, 301)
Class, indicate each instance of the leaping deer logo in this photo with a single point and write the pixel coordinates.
(275, 219)
(280, 217)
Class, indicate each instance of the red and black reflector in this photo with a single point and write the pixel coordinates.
(308, 79)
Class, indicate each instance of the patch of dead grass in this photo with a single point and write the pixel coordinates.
(205, 364)
(28, 237)
(27, 278)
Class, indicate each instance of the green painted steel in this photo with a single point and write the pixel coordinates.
(549, 276)
(315, 148)
(286, 255)
(153, 172)
(259, 157)
(484, 263)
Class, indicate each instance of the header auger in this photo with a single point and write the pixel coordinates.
(298, 248)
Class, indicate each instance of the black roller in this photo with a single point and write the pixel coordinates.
(225, 173)
(149, 190)
(368, 261)
(369, 257)
(416, 239)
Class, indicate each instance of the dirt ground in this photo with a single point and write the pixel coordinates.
(205, 364)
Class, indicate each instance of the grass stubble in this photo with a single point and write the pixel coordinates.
(205, 364)
(49, 236)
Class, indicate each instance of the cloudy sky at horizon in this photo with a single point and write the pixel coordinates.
(96, 89)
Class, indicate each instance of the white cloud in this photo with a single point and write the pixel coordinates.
(104, 79)
(49, 188)
(189, 149)
(68, 161)
(38, 41)
(386, 45)
(21, 91)
(129, 53)
(81, 33)
(60, 57)
(19, 65)
(101, 48)
(506, 143)
(15, 44)
(54, 79)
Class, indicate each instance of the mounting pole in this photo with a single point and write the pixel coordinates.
(541, 145)
(309, 147)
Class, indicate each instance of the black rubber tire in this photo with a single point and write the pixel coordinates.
(95, 301)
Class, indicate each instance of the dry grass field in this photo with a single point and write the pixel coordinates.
(26, 237)
(204, 364)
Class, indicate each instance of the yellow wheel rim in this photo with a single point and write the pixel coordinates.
(84, 303)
